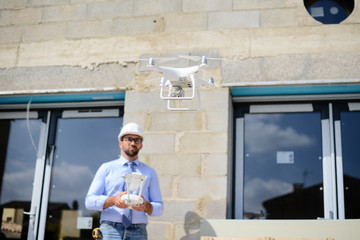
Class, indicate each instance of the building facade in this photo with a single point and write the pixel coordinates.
(275, 138)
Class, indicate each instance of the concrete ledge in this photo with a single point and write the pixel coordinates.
(337, 229)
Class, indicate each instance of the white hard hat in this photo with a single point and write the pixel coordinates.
(131, 128)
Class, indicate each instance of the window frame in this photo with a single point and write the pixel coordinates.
(48, 108)
(333, 185)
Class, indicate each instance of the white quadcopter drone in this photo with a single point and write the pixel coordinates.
(178, 79)
(133, 181)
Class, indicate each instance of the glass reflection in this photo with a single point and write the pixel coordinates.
(17, 167)
(82, 145)
(350, 131)
(283, 167)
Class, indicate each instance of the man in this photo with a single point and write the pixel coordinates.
(117, 221)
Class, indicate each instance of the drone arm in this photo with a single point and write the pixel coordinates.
(163, 83)
(203, 82)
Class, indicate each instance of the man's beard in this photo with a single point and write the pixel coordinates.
(131, 153)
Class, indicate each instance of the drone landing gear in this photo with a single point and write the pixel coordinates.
(171, 103)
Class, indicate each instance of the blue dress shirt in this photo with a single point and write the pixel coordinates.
(109, 181)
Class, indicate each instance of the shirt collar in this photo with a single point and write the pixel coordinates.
(123, 161)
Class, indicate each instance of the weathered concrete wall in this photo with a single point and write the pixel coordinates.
(78, 44)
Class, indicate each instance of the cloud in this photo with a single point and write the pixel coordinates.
(264, 133)
(258, 190)
(17, 186)
(70, 182)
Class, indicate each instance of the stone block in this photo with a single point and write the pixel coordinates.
(87, 29)
(11, 34)
(158, 231)
(8, 58)
(176, 211)
(238, 46)
(148, 8)
(158, 143)
(20, 16)
(296, 40)
(57, 76)
(234, 20)
(166, 186)
(134, 25)
(215, 164)
(217, 120)
(44, 32)
(143, 101)
(185, 22)
(215, 210)
(206, 5)
(294, 67)
(84, 52)
(64, 13)
(214, 187)
(263, 4)
(176, 121)
(280, 17)
(338, 65)
(214, 98)
(109, 9)
(47, 2)
(12, 4)
(204, 142)
(137, 117)
(176, 164)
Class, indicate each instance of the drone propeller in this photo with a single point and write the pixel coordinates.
(196, 58)
(160, 60)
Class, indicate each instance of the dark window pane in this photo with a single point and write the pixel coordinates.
(283, 166)
(17, 168)
(350, 136)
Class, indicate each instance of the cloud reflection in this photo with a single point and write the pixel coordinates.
(258, 189)
(271, 135)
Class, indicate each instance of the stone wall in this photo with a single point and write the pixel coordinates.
(62, 45)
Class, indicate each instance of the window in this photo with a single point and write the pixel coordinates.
(329, 11)
(296, 161)
(49, 155)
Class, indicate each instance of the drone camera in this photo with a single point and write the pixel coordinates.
(177, 91)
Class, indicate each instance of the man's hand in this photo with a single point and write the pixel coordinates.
(118, 202)
(115, 200)
(146, 206)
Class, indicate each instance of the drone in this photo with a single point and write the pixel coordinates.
(177, 80)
